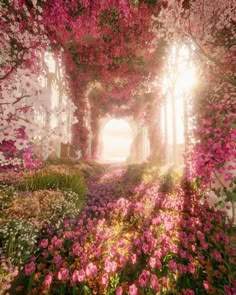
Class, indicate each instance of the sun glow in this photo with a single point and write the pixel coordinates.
(180, 77)
(116, 140)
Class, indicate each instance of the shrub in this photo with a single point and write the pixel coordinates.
(17, 239)
(55, 180)
(169, 181)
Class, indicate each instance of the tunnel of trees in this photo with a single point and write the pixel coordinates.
(68, 68)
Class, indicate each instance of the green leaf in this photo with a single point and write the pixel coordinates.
(86, 290)
(230, 196)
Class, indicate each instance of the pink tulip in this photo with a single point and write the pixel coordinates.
(29, 268)
(119, 291)
(63, 274)
(44, 243)
(91, 270)
(133, 290)
(48, 280)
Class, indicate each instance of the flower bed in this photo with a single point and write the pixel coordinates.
(146, 242)
(33, 200)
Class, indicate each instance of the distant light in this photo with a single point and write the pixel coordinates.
(116, 140)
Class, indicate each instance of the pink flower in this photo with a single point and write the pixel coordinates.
(110, 266)
(48, 280)
(191, 268)
(105, 279)
(54, 239)
(77, 249)
(154, 283)
(78, 276)
(145, 248)
(63, 274)
(122, 260)
(172, 265)
(205, 285)
(188, 292)
(58, 243)
(91, 270)
(29, 268)
(133, 290)
(57, 259)
(133, 258)
(216, 255)
(143, 278)
(152, 262)
(119, 290)
(44, 243)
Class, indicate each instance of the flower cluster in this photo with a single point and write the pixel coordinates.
(146, 241)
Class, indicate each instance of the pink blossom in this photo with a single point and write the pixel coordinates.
(58, 243)
(119, 291)
(145, 248)
(78, 276)
(172, 265)
(133, 258)
(57, 259)
(105, 279)
(152, 262)
(29, 268)
(216, 255)
(110, 266)
(206, 285)
(143, 278)
(191, 268)
(122, 260)
(77, 249)
(133, 290)
(63, 274)
(48, 280)
(188, 292)
(91, 270)
(44, 243)
(154, 282)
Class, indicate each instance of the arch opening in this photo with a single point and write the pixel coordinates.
(115, 139)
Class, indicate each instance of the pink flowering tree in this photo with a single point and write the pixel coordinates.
(25, 93)
(210, 32)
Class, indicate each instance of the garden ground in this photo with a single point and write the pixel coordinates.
(131, 231)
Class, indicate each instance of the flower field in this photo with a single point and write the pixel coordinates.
(134, 237)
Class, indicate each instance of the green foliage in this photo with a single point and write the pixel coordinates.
(54, 180)
(7, 194)
(226, 195)
(60, 161)
(58, 210)
(168, 181)
(137, 173)
(17, 239)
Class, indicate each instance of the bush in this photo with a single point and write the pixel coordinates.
(17, 239)
(54, 180)
(169, 181)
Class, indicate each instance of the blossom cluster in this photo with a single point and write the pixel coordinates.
(145, 241)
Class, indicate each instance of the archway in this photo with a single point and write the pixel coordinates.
(115, 139)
